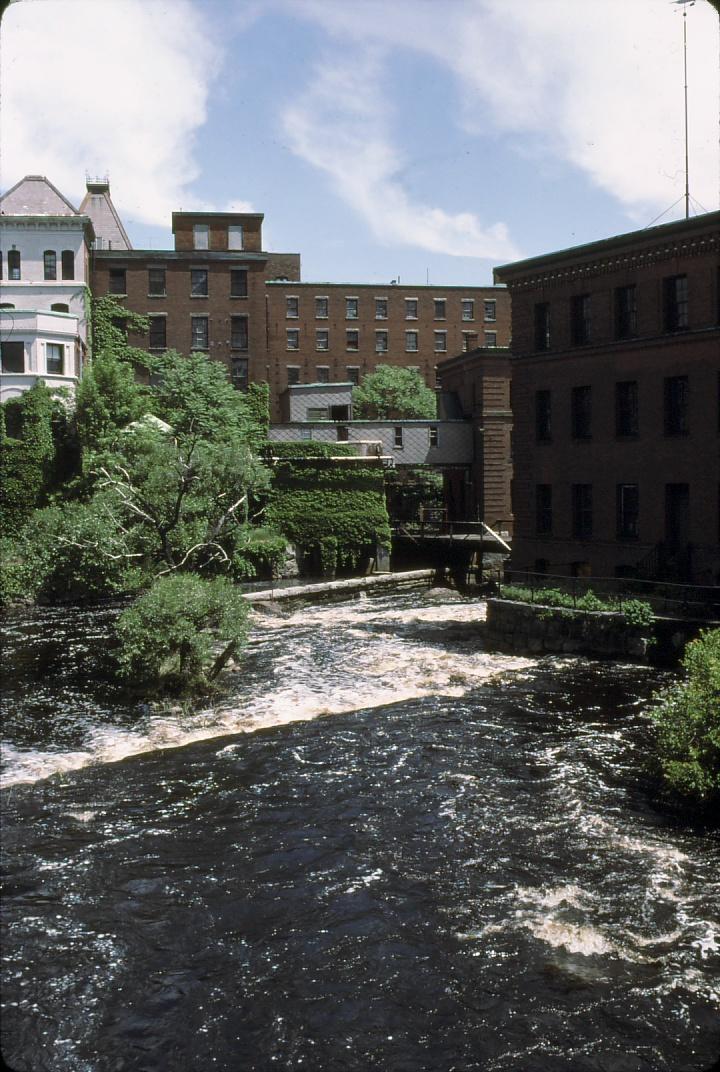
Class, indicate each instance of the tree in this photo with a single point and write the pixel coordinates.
(392, 393)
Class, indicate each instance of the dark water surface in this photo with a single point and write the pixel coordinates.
(459, 869)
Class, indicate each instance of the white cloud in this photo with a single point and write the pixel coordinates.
(597, 84)
(118, 87)
(339, 126)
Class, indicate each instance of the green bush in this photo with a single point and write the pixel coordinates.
(636, 611)
(259, 553)
(179, 635)
(687, 721)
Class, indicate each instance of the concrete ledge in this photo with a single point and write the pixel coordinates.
(410, 578)
(532, 627)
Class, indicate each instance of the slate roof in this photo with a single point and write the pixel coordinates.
(35, 196)
(97, 204)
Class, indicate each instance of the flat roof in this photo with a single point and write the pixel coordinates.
(673, 229)
(391, 286)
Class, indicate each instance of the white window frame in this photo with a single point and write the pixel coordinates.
(298, 369)
(490, 310)
(202, 349)
(412, 349)
(296, 333)
(494, 338)
(350, 298)
(411, 316)
(433, 436)
(61, 347)
(326, 314)
(198, 230)
(322, 331)
(354, 368)
(318, 377)
(380, 316)
(352, 349)
(292, 298)
(234, 230)
(463, 302)
(440, 337)
(382, 349)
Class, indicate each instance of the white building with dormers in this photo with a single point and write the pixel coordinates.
(44, 288)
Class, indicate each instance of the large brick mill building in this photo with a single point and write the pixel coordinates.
(616, 405)
(218, 291)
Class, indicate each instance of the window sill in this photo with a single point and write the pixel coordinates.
(199, 297)
(113, 294)
(163, 295)
(240, 297)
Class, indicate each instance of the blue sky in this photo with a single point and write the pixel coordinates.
(381, 138)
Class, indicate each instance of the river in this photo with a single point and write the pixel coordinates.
(380, 848)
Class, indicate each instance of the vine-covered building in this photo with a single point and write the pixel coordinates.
(45, 244)
(616, 405)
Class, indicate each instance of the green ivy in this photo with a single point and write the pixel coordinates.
(26, 464)
(636, 611)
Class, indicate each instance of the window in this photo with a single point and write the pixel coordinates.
(157, 334)
(117, 283)
(60, 307)
(54, 359)
(411, 308)
(238, 333)
(352, 373)
(351, 308)
(582, 520)
(581, 411)
(433, 436)
(468, 309)
(322, 340)
(199, 282)
(10, 305)
(322, 374)
(491, 338)
(321, 308)
(13, 356)
(293, 374)
(352, 340)
(293, 339)
(490, 309)
(381, 342)
(67, 264)
(50, 264)
(580, 319)
(14, 264)
(676, 405)
(626, 511)
(675, 303)
(411, 342)
(439, 306)
(200, 339)
(542, 326)
(201, 236)
(343, 433)
(238, 282)
(292, 308)
(469, 341)
(626, 408)
(543, 509)
(625, 312)
(381, 308)
(316, 413)
(543, 415)
(120, 324)
(440, 342)
(398, 437)
(677, 515)
(235, 236)
(239, 373)
(156, 282)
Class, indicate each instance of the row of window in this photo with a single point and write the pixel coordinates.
(199, 282)
(675, 314)
(627, 410)
(324, 413)
(322, 374)
(352, 308)
(50, 265)
(199, 331)
(627, 511)
(382, 340)
(201, 236)
(13, 357)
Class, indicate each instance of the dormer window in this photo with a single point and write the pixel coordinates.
(201, 236)
(235, 236)
(50, 264)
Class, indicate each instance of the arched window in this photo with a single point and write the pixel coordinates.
(60, 307)
(6, 305)
(14, 264)
(50, 264)
(68, 264)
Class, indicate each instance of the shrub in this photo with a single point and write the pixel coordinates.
(687, 720)
(636, 611)
(181, 633)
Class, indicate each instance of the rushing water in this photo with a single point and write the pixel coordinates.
(459, 870)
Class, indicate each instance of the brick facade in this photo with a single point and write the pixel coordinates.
(616, 400)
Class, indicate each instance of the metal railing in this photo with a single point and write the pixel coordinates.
(665, 598)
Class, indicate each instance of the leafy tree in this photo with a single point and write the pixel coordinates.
(26, 463)
(180, 634)
(393, 393)
(687, 717)
(193, 395)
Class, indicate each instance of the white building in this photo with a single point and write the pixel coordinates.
(44, 288)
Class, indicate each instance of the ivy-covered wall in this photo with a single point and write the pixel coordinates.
(335, 513)
(27, 458)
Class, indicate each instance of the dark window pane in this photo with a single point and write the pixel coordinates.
(543, 427)
(50, 264)
(116, 281)
(239, 332)
(582, 511)
(627, 510)
(542, 326)
(54, 359)
(580, 319)
(14, 264)
(626, 408)
(157, 335)
(13, 357)
(625, 312)
(675, 303)
(239, 373)
(293, 374)
(156, 281)
(543, 509)
(68, 264)
(238, 282)
(199, 326)
(198, 282)
(676, 405)
(582, 412)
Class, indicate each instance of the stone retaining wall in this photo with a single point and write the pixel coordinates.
(530, 627)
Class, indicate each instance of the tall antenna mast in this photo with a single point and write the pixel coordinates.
(684, 5)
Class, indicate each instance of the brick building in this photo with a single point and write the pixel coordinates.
(475, 386)
(616, 405)
(220, 292)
